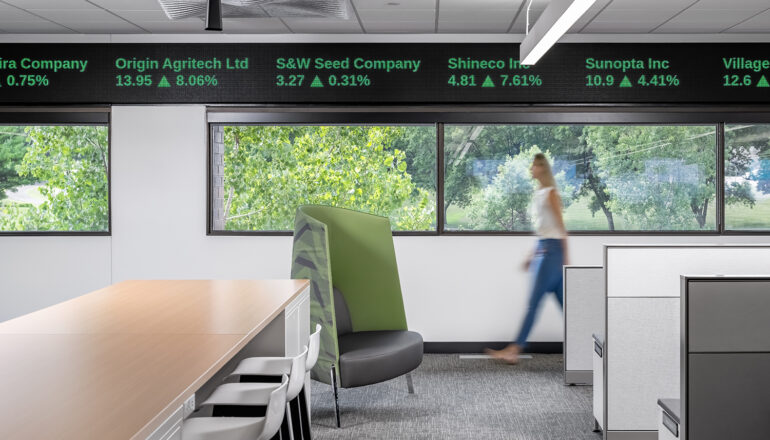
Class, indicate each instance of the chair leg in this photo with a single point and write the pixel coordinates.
(296, 419)
(409, 383)
(305, 415)
(285, 430)
(336, 401)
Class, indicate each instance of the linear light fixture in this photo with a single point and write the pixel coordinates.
(214, 15)
(554, 22)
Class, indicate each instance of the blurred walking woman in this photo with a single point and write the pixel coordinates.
(545, 263)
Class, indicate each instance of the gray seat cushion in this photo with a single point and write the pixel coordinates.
(372, 357)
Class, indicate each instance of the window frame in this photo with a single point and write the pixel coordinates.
(710, 114)
(81, 116)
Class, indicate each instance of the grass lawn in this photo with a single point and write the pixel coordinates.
(578, 217)
(744, 217)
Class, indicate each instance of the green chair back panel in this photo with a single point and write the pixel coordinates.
(363, 267)
(310, 260)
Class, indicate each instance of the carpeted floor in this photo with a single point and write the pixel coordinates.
(462, 399)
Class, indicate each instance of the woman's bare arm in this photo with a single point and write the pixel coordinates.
(555, 202)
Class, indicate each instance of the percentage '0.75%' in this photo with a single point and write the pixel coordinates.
(26, 81)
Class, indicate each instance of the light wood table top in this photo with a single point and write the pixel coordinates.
(116, 363)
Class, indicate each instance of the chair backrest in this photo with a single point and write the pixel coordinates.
(276, 409)
(315, 346)
(354, 250)
(297, 376)
(341, 314)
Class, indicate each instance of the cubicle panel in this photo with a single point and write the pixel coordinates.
(583, 317)
(643, 342)
(655, 270)
(729, 317)
(729, 396)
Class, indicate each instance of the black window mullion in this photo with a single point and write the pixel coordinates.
(440, 178)
(720, 178)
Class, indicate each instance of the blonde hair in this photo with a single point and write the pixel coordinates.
(547, 178)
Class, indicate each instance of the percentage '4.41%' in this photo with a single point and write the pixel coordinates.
(25, 81)
(627, 82)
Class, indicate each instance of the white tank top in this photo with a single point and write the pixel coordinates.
(545, 220)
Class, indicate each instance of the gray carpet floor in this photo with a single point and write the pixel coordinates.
(461, 399)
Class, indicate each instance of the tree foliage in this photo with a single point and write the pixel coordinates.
(13, 147)
(71, 163)
(269, 171)
(658, 177)
(504, 205)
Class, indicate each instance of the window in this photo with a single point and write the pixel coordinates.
(54, 178)
(610, 177)
(260, 174)
(747, 177)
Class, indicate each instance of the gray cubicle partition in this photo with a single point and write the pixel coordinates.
(583, 317)
(725, 355)
(642, 339)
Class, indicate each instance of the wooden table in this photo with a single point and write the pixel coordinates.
(118, 362)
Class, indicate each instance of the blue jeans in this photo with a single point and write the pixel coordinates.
(546, 273)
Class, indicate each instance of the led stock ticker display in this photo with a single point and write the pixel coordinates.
(372, 74)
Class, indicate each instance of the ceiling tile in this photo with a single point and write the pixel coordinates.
(76, 15)
(474, 27)
(704, 21)
(9, 13)
(744, 5)
(397, 14)
(50, 4)
(672, 6)
(34, 27)
(401, 4)
(254, 26)
(173, 27)
(100, 27)
(403, 26)
(138, 15)
(323, 25)
(128, 5)
(477, 14)
(757, 24)
(537, 7)
(589, 16)
(616, 27)
(494, 4)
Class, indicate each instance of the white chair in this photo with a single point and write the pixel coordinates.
(241, 428)
(254, 370)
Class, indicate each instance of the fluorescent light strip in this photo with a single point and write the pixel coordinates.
(554, 22)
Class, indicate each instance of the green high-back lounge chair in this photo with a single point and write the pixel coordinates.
(355, 294)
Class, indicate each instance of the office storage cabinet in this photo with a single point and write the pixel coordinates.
(642, 341)
(726, 358)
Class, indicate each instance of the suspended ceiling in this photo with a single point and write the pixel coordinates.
(634, 17)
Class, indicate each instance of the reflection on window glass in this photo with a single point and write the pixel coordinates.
(267, 171)
(611, 178)
(54, 178)
(747, 176)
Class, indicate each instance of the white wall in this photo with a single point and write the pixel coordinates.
(36, 272)
(456, 288)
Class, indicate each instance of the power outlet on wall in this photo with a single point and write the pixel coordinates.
(189, 406)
